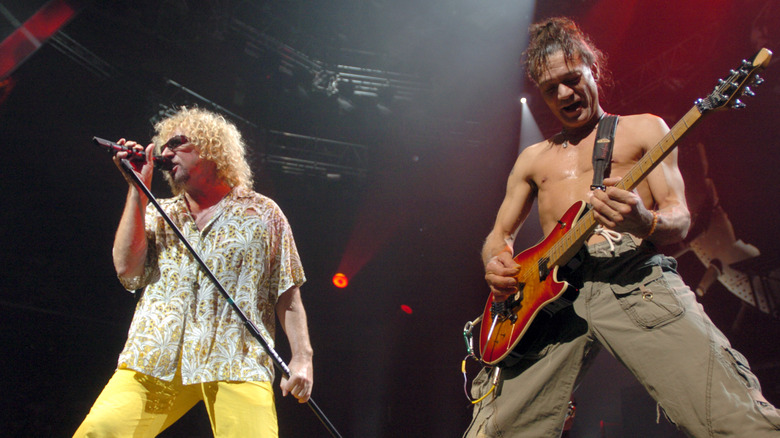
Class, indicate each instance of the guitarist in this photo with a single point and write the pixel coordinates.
(628, 297)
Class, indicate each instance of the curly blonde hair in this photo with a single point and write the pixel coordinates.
(217, 139)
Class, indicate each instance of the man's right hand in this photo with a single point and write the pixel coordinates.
(130, 245)
(143, 170)
(500, 273)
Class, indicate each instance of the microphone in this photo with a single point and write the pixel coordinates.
(159, 161)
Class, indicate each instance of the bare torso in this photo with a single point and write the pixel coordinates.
(556, 176)
(562, 176)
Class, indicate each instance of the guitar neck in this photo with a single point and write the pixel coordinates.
(660, 151)
(563, 250)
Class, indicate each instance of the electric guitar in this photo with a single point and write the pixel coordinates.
(506, 324)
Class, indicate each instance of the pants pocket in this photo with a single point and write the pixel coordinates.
(651, 302)
(741, 367)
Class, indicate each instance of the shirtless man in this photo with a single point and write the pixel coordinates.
(630, 299)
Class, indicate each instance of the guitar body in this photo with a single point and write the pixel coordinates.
(500, 333)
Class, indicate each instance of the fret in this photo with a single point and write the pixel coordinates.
(642, 168)
(634, 174)
(657, 155)
(677, 131)
(623, 183)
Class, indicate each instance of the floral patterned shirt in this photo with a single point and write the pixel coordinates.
(181, 317)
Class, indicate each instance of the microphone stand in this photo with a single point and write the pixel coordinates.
(280, 364)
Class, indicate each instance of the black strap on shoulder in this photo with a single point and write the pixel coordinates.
(602, 150)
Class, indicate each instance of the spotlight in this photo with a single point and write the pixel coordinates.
(340, 280)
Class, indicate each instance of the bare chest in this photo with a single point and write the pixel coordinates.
(572, 166)
(563, 176)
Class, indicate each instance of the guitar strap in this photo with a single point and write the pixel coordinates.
(602, 150)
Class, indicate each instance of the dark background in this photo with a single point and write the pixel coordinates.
(407, 228)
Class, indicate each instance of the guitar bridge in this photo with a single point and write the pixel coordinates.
(503, 310)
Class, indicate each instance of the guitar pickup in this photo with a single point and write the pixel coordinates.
(544, 269)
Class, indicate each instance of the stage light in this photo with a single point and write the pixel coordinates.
(408, 310)
(340, 280)
(32, 34)
(529, 129)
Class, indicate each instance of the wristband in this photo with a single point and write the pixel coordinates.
(652, 226)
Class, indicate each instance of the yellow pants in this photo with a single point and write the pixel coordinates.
(136, 405)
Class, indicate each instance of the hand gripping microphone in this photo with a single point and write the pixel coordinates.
(159, 162)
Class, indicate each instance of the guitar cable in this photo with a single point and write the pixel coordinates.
(470, 353)
(466, 380)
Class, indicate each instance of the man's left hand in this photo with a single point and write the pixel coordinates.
(301, 380)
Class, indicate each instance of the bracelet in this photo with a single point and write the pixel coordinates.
(652, 226)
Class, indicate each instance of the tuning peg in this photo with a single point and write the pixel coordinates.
(758, 80)
(748, 92)
(738, 104)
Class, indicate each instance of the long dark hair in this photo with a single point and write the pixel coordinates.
(561, 34)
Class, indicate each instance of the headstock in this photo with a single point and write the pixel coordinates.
(737, 84)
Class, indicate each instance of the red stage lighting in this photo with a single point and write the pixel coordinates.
(406, 309)
(340, 280)
(29, 36)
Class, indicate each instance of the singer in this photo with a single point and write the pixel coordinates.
(185, 343)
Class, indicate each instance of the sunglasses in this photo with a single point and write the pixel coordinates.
(175, 141)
